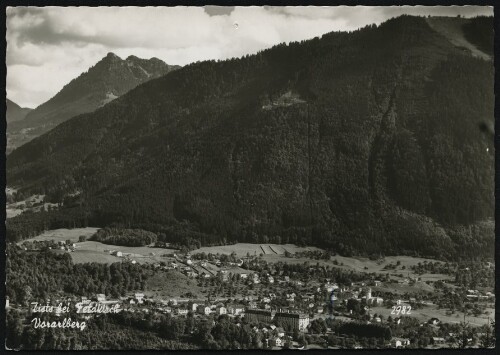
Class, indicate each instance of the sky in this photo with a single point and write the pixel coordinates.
(47, 47)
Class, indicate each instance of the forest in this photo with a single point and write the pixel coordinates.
(125, 237)
(359, 142)
(39, 275)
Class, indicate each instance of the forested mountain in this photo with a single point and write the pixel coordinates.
(15, 112)
(364, 142)
(110, 78)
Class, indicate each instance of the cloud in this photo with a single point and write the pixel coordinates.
(218, 10)
(49, 46)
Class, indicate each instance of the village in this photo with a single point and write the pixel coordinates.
(281, 305)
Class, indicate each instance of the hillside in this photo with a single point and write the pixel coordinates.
(110, 78)
(15, 112)
(364, 142)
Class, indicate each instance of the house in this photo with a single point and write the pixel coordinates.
(194, 307)
(220, 310)
(433, 321)
(295, 320)
(182, 311)
(139, 297)
(375, 301)
(259, 316)
(173, 302)
(100, 297)
(275, 342)
(400, 342)
(252, 304)
(235, 310)
(119, 254)
(270, 279)
(377, 283)
(438, 340)
(173, 265)
(204, 310)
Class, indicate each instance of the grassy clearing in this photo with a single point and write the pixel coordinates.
(242, 249)
(91, 251)
(431, 311)
(171, 283)
(65, 234)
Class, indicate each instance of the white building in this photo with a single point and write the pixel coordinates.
(220, 310)
(139, 297)
(204, 310)
(400, 342)
(100, 297)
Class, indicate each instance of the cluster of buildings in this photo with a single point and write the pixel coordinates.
(294, 320)
(477, 295)
(66, 246)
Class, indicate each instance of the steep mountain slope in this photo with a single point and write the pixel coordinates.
(364, 142)
(460, 32)
(108, 79)
(15, 112)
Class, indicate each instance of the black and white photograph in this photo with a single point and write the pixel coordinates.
(249, 177)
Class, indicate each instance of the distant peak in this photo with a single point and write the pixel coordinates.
(132, 57)
(112, 56)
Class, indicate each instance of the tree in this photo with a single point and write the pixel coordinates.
(488, 339)
(26, 294)
(462, 337)
(318, 326)
(353, 305)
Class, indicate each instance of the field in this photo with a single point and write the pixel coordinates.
(171, 283)
(33, 203)
(242, 249)
(91, 251)
(65, 234)
(418, 287)
(431, 311)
